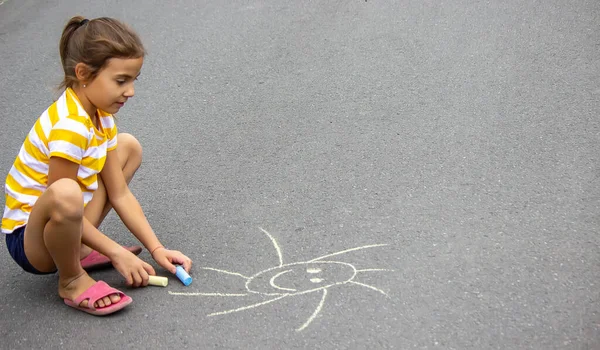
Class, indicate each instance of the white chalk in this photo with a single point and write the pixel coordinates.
(158, 281)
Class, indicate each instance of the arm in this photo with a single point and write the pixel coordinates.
(125, 203)
(132, 215)
(130, 266)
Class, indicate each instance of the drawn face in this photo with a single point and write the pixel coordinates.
(300, 278)
(286, 280)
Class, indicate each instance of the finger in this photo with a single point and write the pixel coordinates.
(149, 269)
(145, 277)
(144, 274)
(178, 258)
(185, 261)
(171, 267)
(166, 263)
(137, 279)
(129, 279)
(187, 265)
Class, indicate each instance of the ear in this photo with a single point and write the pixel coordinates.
(82, 72)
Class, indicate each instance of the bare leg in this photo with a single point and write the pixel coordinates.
(129, 151)
(53, 239)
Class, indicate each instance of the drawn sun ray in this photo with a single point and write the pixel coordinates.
(347, 251)
(294, 279)
(315, 313)
(208, 294)
(370, 287)
(226, 272)
(274, 244)
(246, 307)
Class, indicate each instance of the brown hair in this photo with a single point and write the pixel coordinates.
(93, 42)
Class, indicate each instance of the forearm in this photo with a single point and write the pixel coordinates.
(129, 210)
(96, 240)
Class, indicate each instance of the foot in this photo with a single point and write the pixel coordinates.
(71, 289)
(84, 251)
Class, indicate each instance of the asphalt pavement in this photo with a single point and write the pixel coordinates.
(345, 174)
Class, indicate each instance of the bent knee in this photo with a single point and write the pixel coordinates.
(67, 200)
(130, 145)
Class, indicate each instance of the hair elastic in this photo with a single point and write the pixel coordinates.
(83, 21)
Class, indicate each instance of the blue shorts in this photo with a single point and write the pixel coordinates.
(16, 248)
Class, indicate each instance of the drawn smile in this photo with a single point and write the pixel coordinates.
(294, 279)
(272, 281)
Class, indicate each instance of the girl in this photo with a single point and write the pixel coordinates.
(74, 167)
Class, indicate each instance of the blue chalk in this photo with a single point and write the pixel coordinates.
(183, 276)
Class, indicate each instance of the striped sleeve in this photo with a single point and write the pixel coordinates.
(68, 139)
(111, 132)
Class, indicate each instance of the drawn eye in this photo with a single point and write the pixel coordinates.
(294, 279)
(314, 270)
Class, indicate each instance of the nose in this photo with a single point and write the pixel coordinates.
(130, 91)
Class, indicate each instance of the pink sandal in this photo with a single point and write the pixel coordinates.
(96, 260)
(96, 292)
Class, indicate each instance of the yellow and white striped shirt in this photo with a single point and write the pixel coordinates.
(64, 130)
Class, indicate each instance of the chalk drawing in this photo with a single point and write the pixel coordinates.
(293, 279)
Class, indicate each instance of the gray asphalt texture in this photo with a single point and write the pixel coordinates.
(462, 134)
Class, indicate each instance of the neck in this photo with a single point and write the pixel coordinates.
(85, 102)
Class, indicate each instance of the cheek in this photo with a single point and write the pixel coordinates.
(106, 85)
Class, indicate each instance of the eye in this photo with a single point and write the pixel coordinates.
(120, 81)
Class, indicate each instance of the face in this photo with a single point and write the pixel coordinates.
(300, 278)
(113, 86)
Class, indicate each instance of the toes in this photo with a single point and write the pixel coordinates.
(114, 298)
(107, 301)
(104, 302)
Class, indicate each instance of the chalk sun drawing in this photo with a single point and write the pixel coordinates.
(293, 279)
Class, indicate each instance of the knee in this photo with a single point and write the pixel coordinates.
(67, 200)
(131, 146)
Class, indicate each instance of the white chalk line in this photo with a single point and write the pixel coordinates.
(348, 250)
(225, 271)
(208, 294)
(315, 313)
(246, 307)
(276, 246)
(272, 282)
(370, 287)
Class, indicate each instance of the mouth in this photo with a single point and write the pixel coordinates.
(272, 281)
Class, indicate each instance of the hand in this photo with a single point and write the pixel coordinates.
(134, 269)
(166, 258)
